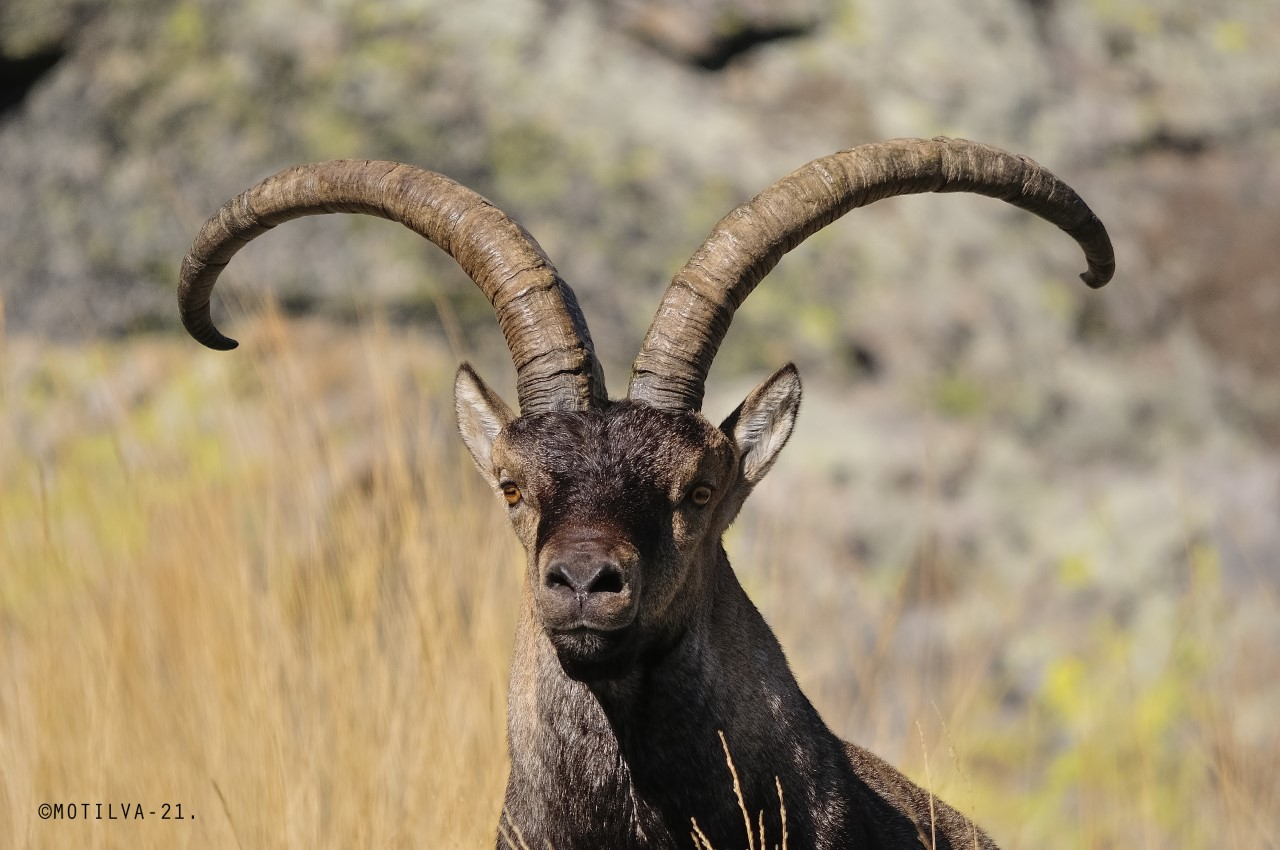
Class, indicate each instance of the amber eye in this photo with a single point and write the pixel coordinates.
(511, 493)
(700, 495)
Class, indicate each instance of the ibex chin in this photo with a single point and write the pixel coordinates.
(639, 661)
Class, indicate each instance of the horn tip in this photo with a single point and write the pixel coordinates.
(218, 342)
(1095, 280)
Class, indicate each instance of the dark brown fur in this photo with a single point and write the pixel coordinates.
(618, 745)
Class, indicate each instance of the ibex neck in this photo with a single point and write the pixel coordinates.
(630, 762)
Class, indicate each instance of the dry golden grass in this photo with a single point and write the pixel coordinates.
(270, 588)
(218, 591)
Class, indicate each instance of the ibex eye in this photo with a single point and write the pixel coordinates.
(511, 493)
(700, 495)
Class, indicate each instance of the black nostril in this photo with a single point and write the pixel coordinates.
(585, 578)
(608, 581)
(556, 578)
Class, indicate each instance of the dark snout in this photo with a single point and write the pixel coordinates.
(588, 600)
(589, 582)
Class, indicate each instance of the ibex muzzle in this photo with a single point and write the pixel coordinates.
(638, 655)
(590, 579)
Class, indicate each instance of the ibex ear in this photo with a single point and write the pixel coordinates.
(761, 424)
(481, 416)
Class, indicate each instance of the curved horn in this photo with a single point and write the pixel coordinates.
(556, 366)
(746, 244)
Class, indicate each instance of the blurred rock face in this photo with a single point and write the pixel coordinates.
(619, 132)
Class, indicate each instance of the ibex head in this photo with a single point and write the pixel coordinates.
(621, 510)
(621, 505)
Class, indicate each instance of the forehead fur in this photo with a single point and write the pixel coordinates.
(625, 438)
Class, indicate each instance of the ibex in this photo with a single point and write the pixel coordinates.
(640, 663)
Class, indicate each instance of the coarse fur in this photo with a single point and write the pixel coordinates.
(615, 732)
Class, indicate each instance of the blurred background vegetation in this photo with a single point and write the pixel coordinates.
(1024, 541)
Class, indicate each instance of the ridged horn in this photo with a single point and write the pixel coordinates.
(671, 369)
(556, 366)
